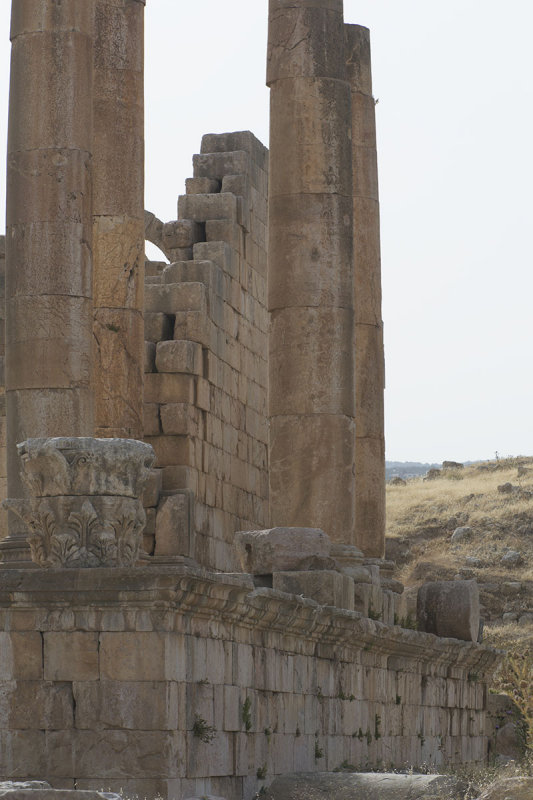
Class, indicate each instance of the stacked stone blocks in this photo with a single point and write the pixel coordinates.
(178, 683)
(206, 332)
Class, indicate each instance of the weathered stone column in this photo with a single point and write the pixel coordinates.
(49, 224)
(310, 270)
(369, 356)
(118, 209)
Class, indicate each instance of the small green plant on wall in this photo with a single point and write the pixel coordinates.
(202, 730)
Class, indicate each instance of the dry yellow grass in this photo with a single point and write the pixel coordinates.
(423, 515)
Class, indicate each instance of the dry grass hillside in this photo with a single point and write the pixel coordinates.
(494, 543)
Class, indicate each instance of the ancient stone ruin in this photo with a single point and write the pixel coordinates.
(205, 622)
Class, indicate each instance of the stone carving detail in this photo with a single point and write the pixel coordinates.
(99, 526)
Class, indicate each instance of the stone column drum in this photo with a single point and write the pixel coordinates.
(49, 225)
(369, 355)
(310, 270)
(118, 209)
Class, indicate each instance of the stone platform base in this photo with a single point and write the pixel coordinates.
(172, 681)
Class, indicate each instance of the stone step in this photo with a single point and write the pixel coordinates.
(203, 207)
(231, 142)
(206, 272)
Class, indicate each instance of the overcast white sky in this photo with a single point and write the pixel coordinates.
(455, 127)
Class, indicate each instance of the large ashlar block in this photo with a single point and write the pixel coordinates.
(44, 70)
(370, 496)
(327, 587)
(37, 705)
(57, 259)
(21, 656)
(118, 379)
(300, 38)
(315, 154)
(166, 387)
(315, 267)
(146, 655)
(131, 705)
(52, 329)
(179, 356)
(170, 298)
(48, 186)
(449, 609)
(370, 381)
(198, 271)
(312, 475)
(173, 531)
(180, 419)
(71, 656)
(218, 165)
(118, 259)
(278, 549)
(311, 361)
(201, 207)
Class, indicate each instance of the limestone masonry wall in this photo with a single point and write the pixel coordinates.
(177, 683)
(206, 348)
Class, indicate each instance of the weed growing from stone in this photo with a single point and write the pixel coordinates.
(202, 730)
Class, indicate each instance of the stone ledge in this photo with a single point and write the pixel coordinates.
(196, 592)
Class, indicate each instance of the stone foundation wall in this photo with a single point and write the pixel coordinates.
(206, 349)
(179, 682)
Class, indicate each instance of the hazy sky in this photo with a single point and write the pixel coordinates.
(455, 133)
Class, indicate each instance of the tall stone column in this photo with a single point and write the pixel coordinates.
(310, 270)
(369, 355)
(49, 226)
(118, 209)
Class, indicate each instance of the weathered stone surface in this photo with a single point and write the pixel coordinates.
(71, 656)
(311, 473)
(311, 361)
(327, 587)
(85, 466)
(173, 532)
(449, 609)
(179, 356)
(279, 549)
(366, 786)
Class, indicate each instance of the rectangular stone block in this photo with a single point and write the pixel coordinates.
(179, 355)
(133, 705)
(151, 421)
(141, 656)
(181, 419)
(36, 705)
(203, 207)
(181, 233)
(202, 186)
(158, 326)
(169, 388)
(21, 656)
(327, 587)
(197, 271)
(217, 165)
(170, 298)
(173, 532)
(70, 656)
(196, 327)
(171, 450)
(152, 488)
(219, 253)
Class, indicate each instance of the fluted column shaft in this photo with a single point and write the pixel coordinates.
(49, 225)
(310, 270)
(369, 355)
(118, 217)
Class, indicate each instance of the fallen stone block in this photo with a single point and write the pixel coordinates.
(281, 549)
(449, 609)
